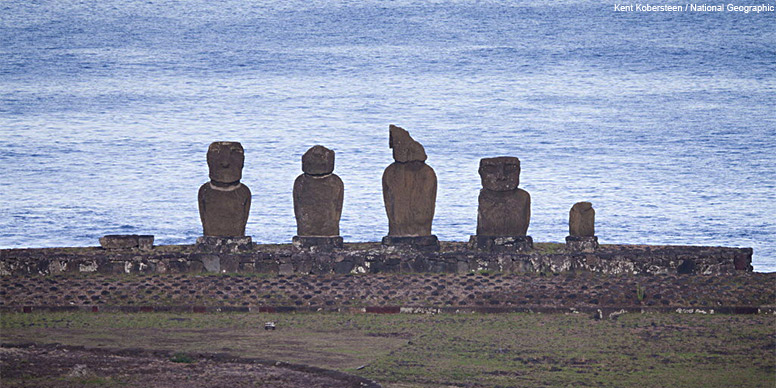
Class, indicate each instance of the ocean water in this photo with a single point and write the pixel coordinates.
(664, 121)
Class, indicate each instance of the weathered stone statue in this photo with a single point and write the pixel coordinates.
(504, 210)
(318, 195)
(582, 220)
(409, 192)
(582, 228)
(224, 202)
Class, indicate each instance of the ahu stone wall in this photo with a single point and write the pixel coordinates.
(452, 257)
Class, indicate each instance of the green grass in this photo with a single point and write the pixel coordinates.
(181, 358)
(646, 350)
(549, 248)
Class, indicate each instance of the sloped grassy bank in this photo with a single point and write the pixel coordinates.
(575, 346)
(440, 350)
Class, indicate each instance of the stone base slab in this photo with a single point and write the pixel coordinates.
(127, 241)
(581, 243)
(218, 244)
(501, 243)
(372, 257)
(423, 243)
(320, 242)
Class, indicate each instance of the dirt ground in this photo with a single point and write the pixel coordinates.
(59, 366)
(396, 350)
(678, 346)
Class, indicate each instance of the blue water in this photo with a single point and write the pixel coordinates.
(665, 121)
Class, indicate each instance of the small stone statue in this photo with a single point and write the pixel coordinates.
(504, 210)
(224, 202)
(582, 228)
(409, 192)
(318, 195)
(582, 220)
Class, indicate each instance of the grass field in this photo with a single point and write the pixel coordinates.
(646, 350)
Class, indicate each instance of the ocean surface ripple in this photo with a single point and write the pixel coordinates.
(665, 121)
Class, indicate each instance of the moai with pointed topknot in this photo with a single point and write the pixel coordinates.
(582, 236)
(318, 195)
(409, 192)
(224, 202)
(504, 210)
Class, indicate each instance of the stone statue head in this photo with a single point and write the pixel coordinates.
(318, 160)
(405, 149)
(225, 160)
(582, 207)
(500, 174)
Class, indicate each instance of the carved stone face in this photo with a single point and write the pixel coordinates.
(225, 160)
(500, 174)
(318, 160)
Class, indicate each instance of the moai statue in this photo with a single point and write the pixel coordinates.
(318, 195)
(224, 202)
(504, 210)
(409, 192)
(582, 228)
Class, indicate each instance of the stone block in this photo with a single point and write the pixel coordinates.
(195, 267)
(323, 264)
(127, 241)
(247, 267)
(343, 267)
(421, 243)
(211, 263)
(178, 266)
(213, 244)
(687, 267)
(742, 259)
(286, 269)
(230, 263)
(109, 267)
(267, 266)
(321, 243)
(581, 243)
(462, 267)
(501, 243)
(303, 264)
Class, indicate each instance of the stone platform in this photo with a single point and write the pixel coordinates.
(743, 292)
(452, 257)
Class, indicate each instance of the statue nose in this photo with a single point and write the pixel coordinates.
(224, 163)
